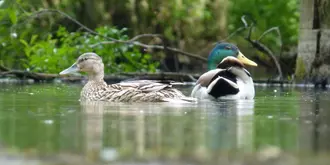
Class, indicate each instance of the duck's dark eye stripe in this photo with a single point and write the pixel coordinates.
(83, 59)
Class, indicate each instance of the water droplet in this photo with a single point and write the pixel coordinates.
(31, 93)
(275, 90)
(270, 117)
(48, 122)
(13, 35)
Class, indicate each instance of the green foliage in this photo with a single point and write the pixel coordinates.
(60, 50)
(43, 46)
(35, 49)
(191, 25)
(267, 14)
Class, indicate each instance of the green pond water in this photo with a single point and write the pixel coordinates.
(46, 124)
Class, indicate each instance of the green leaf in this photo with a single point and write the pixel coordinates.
(24, 42)
(12, 16)
(33, 39)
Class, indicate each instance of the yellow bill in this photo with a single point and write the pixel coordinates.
(245, 60)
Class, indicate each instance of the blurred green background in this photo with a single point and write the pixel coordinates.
(36, 40)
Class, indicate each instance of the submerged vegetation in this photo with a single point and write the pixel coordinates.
(46, 41)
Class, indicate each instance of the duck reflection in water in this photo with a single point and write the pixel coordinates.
(143, 130)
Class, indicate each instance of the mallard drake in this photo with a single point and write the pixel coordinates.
(227, 78)
(97, 89)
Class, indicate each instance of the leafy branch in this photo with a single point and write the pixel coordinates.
(133, 41)
(257, 44)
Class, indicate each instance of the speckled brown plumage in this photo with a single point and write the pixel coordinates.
(129, 92)
(132, 91)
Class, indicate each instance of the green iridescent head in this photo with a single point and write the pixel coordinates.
(223, 50)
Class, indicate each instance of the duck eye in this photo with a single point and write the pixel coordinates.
(83, 59)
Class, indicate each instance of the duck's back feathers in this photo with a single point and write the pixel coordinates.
(145, 85)
(234, 82)
(222, 86)
(136, 91)
(205, 79)
(216, 83)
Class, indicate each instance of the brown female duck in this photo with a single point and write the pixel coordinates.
(97, 89)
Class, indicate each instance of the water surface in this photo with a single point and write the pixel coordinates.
(46, 124)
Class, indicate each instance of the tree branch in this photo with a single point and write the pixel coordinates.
(47, 11)
(154, 47)
(132, 41)
(262, 48)
(144, 36)
(234, 33)
(257, 44)
(167, 76)
(3, 68)
(39, 77)
(25, 74)
(277, 30)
